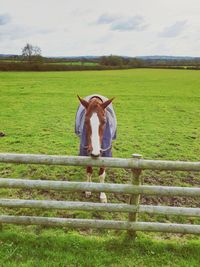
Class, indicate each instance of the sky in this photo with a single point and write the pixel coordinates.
(104, 27)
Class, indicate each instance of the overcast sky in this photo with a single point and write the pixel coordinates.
(104, 27)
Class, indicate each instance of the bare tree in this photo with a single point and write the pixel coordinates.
(31, 53)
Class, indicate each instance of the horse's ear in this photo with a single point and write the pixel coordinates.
(107, 103)
(83, 102)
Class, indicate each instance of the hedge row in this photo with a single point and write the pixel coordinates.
(52, 67)
(59, 67)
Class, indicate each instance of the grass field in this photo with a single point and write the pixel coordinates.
(54, 248)
(158, 116)
(158, 110)
(75, 63)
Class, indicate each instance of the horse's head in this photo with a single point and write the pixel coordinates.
(95, 121)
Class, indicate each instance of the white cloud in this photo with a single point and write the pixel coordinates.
(135, 23)
(122, 23)
(91, 27)
(107, 18)
(174, 30)
(14, 32)
(4, 19)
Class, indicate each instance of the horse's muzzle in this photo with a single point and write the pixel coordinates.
(94, 156)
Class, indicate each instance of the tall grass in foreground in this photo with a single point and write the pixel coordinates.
(55, 248)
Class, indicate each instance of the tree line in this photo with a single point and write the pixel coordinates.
(31, 59)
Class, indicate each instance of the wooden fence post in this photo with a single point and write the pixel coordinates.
(135, 199)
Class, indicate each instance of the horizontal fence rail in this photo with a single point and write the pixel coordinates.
(106, 224)
(134, 189)
(88, 206)
(100, 187)
(100, 162)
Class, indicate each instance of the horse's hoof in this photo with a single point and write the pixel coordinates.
(88, 194)
(103, 198)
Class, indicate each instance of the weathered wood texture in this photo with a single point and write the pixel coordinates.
(121, 225)
(109, 207)
(100, 187)
(134, 189)
(100, 162)
(135, 198)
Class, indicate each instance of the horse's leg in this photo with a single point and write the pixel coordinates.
(102, 175)
(89, 179)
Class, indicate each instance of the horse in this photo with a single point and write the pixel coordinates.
(96, 127)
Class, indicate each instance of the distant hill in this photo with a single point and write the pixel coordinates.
(7, 55)
(139, 57)
(167, 57)
(156, 57)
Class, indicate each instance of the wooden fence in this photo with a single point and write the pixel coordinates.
(135, 189)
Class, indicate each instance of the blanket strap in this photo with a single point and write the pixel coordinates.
(106, 149)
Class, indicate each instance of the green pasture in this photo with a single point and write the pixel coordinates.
(56, 248)
(75, 63)
(157, 110)
(158, 115)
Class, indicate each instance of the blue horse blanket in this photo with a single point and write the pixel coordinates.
(109, 131)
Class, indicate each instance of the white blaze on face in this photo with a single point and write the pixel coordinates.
(94, 122)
